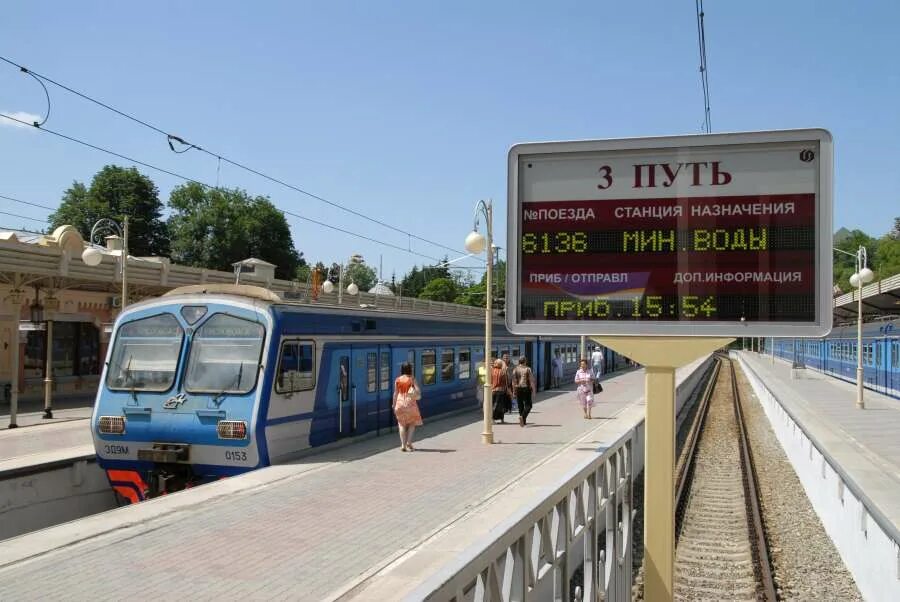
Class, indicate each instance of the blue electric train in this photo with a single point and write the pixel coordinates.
(207, 382)
(836, 354)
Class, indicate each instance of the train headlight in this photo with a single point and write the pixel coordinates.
(112, 425)
(232, 429)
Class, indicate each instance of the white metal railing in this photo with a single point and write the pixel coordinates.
(156, 277)
(583, 525)
(585, 522)
(876, 288)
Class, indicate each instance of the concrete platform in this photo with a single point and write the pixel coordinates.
(316, 529)
(848, 460)
(41, 442)
(865, 443)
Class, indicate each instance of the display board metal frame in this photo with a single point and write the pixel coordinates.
(562, 163)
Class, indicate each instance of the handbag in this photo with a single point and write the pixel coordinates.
(598, 388)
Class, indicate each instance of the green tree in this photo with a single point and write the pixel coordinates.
(439, 289)
(363, 275)
(887, 254)
(214, 228)
(844, 265)
(413, 283)
(114, 193)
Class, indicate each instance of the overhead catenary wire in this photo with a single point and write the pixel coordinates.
(15, 200)
(33, 219)
(704, 69)
(209, 186)
(189, 146)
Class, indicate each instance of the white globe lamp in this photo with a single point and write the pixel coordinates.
(854, 280)
(866, 275)
(352, 289)
(475, 242)
(92, 256)
(328, 286)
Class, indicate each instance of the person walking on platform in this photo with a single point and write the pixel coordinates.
(556, 371)
(597, 363)
(585, 390)
(525, 388)
(509, 379)
(499, 389)
(406, 405)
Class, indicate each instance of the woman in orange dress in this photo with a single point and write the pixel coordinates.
(406, 406)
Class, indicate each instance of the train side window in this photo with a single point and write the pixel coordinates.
(877, 354)
(411, 358)
(344, 378)
(515, 354)
(385, 370)
(371, 372)
(465, 364)
(429, 367)
(295, 367)
(895, 354)
(447, 365)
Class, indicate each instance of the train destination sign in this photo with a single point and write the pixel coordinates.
(713, 235)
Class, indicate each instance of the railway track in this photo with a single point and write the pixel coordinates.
(721, 551)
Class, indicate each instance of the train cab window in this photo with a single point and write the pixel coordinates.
(371, 372)
(448, 365)
(225, 356)
(344, 378)
(429, 367)
(385, 370)
(295, 367)
(145, 354)
(465, 364)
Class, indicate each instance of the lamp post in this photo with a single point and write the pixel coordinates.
(862, 276)
(328, 285)
(93, 254)
(475, 244)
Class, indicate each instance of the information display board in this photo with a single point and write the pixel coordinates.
(712, 235)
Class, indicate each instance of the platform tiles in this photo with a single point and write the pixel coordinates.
(308, 530)
(848, 460)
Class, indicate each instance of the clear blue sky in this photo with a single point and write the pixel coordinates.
(405, 110)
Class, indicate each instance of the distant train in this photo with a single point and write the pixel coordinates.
(836, 354)
(207, 382)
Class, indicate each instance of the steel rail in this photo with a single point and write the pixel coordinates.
(764, 564)
(686, 460)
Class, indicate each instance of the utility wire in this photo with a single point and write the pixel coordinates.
(9, 229)
(188, 146)
(9, 198)
(192, 180)
(704, 70)
(33, 219)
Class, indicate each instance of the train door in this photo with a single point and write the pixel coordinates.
(548, 366)
(385, 394)
(345, 394)
(358, 412)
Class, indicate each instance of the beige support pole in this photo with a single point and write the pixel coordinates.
(14, 370)
(125, 264)
(48, 373)
(487, 436)
(659, 484)
(660, 356)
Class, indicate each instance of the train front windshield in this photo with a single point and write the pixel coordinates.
(145, 354)
(225, 354)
